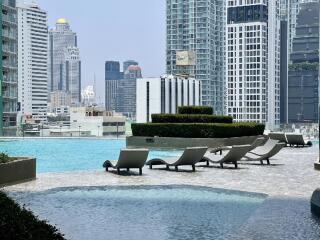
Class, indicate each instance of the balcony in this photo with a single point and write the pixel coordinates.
(9, 35)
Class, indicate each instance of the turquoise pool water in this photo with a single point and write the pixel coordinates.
(143, 212)
(64, 155)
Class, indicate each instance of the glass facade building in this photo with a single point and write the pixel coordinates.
(8, 68)
(303, 76)
(198, 28)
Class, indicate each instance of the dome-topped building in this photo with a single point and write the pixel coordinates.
(62, 21)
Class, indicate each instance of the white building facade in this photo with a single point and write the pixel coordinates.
(32, 62)
(97, 121)
(165, 94)
(253, 55)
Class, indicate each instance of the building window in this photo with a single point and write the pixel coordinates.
(163, 96)
(148, 101)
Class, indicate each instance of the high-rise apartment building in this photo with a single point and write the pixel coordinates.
(64, 67)
(8, 68)
(253, 55)
(303, 77)
(32, 62)
(196, 45)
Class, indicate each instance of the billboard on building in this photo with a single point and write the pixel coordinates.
(185, 58)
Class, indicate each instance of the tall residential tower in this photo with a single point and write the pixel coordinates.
(196, 45)
(8, 68)
(32, 62)
(253, 40)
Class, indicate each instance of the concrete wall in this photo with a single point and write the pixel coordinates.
(180, 143)
(317, 165)
(21, 170)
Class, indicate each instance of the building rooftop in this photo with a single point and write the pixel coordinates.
(62, 21)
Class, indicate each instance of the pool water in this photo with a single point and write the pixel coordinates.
(65, 155)
(143, 212)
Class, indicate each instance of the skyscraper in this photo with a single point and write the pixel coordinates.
(289, 10)
(8, 69)
(128, 63)
(120, 92)
(253, 40)
(126, 96)
(32, 61)
(112, 77)
(303, 77)
(196, 45)
(64, 66)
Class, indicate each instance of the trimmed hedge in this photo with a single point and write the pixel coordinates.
(20, 224)
(195, 110)
(197, 130)
(184, 118)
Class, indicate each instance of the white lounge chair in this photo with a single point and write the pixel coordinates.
(264, 154)
(280, 136)
(297, 140)
(256, 143)
(129, 158)
(232, 156)
(190, 156)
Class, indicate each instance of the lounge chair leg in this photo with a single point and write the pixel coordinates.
(261, 161)
(176, 168)
(220, 152)
(221, 165)
(236, 165)
(107, 169)
(128, 169)
(193, 168)
(118, 170)
(140, 171)
(167, 167)
(268, 161)
(150, 166)
(207, 162)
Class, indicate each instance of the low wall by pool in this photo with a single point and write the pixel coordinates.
(317, 165)
(179, 143)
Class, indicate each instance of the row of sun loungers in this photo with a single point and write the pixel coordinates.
(291, 139)
(137, 158)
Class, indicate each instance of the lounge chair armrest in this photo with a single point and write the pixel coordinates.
(108, 163)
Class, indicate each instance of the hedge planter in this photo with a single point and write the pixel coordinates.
(315, 202)
(17, 171)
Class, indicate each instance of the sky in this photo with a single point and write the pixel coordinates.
(114, 30)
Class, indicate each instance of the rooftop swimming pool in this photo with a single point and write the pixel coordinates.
(143, 212)
(65, 155)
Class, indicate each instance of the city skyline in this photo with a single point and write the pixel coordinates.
(148, 48)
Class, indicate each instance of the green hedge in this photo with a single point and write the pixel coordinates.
(19, 224)
(195, 110)
(184, 118)
(197, 130)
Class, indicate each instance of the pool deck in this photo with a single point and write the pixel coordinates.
(291, 174)
(289, 183)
